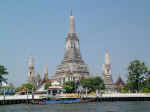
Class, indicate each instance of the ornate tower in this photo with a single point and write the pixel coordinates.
(106, 73)
(38, 80)
(31, 71)
(72, 62)
(45, 74)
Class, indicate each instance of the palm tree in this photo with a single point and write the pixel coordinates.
(3, 72)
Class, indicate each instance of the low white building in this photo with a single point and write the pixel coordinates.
(55, 88)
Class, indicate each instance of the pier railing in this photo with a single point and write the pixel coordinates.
(112, 95)
(121, 95)
(19, 97)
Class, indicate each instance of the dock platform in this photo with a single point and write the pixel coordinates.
(25, 99)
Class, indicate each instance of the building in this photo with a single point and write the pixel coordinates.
(45, 79)
(55, 88)
(37, 80)
(119, 84)
(72, 66)
(31, 72)
(107, 74)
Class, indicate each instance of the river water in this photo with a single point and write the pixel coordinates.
(87, 107)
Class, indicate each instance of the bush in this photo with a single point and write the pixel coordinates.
(69, 86)
(47, 85)
(93, 83)
(25, 86)
(145, 90)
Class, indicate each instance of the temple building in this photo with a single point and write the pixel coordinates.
(45, 79)
(119, 84)
(37, 80)
(72, 66)
(31, 72)
(107, 74)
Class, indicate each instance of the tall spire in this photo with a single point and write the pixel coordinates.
(46, 69)
(70, 12)
(72, 62)
(107, 74)
(72, 23)
(45, 73)
(107, 59)
(31, 70)
(31, 61)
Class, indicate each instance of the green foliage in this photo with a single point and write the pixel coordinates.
(145, 90)
(69, 86)
(124, 90)
(26, 86)
(137, 71)
(102, 91)
(29, 86)
(3, 72)
(9, 87)
(18, 89)
(127, 87)
(47, 85)
(146, 85)
(93, 83)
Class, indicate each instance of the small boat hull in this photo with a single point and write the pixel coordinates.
(62, 101)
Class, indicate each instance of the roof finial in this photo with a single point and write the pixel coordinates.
(107, 58)
(46, 69)
(72, 23)
(70, 12)
(31, 61)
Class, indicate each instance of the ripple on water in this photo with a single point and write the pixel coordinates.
(88, 107)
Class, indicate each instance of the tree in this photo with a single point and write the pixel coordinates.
(93, 83)
(146, 83)
(69, 86)
(3, 72)
(9, 87)
(127, 87)
(18, 89)
(26, 86)
(137, 72)
(47, 85)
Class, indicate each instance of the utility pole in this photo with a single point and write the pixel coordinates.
(86, 91)
(32, 95)
(4, 95)
(27, 96)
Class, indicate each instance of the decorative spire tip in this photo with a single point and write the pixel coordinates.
(70, 12)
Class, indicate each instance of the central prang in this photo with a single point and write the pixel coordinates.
(72, 67)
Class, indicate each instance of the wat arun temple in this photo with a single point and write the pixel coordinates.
(72, 67)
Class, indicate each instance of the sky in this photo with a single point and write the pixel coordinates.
(38, 28)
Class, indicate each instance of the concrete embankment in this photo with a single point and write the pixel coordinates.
(19, 99)
(123, 97)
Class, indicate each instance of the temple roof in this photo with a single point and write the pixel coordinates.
(119, 81)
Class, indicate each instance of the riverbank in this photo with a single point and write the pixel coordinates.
(37, 98)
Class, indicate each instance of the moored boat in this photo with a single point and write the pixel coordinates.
(49, 101)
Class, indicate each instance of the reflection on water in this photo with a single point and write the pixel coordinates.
(88, 107)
